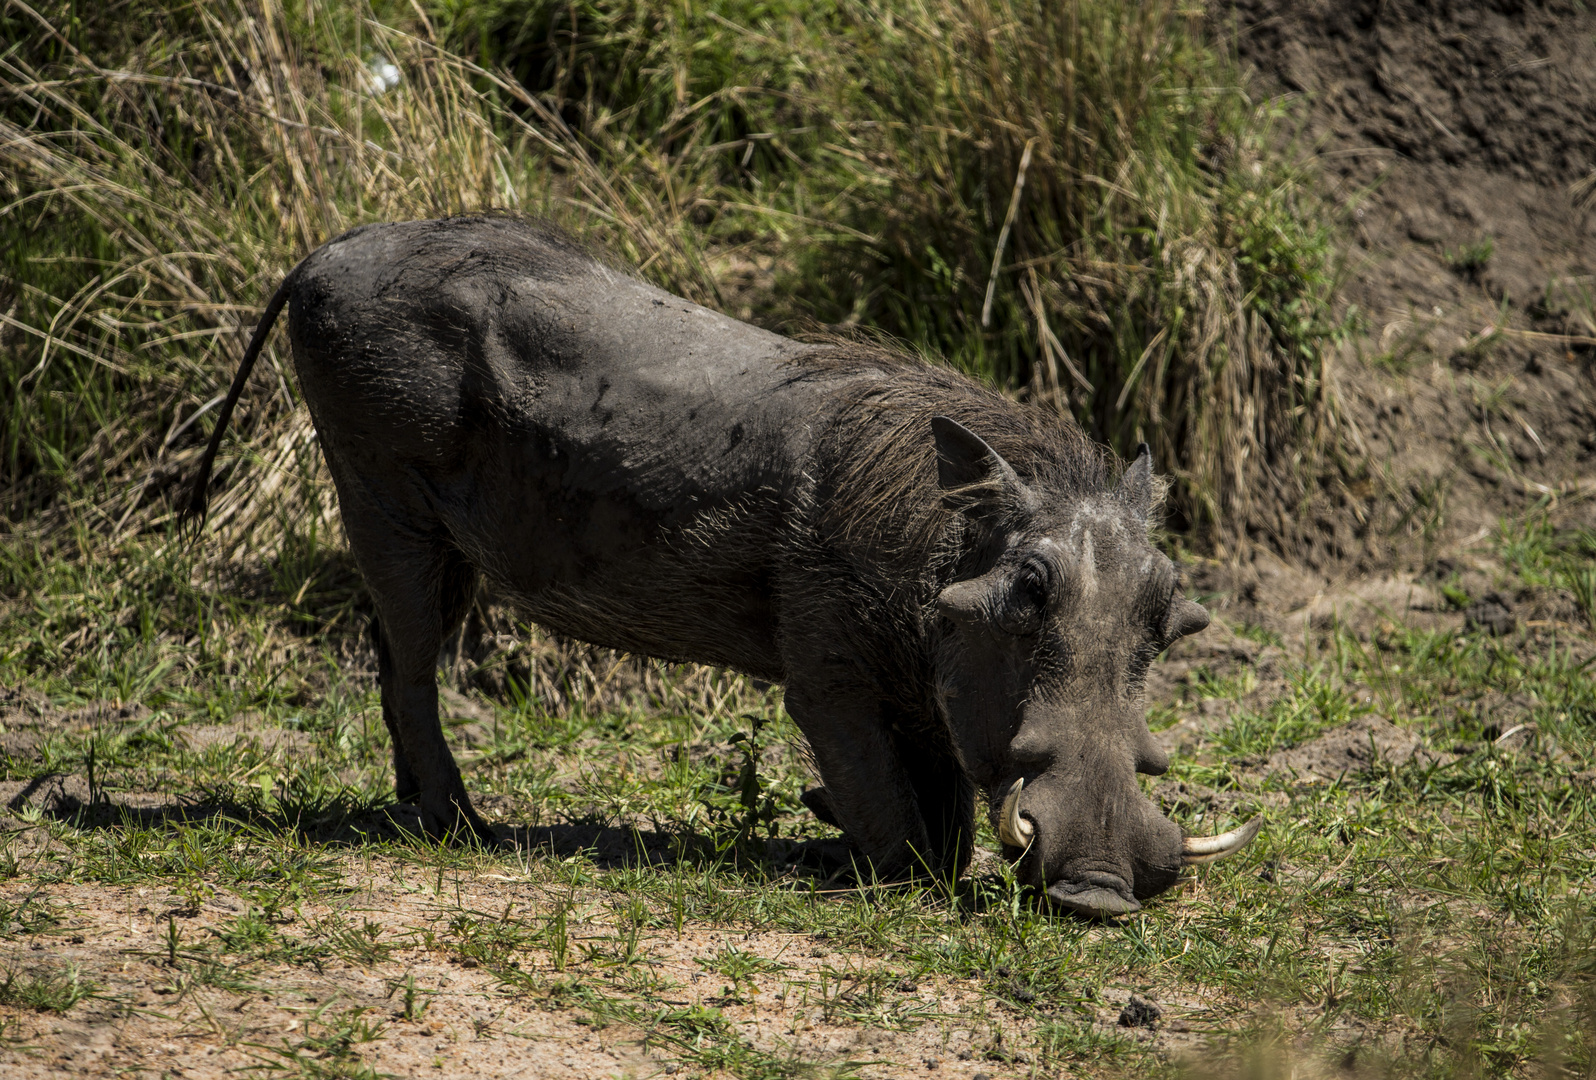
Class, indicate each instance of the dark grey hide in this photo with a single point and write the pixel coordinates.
(956, 590)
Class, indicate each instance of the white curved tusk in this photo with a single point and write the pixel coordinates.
(1014, 830)
(1207, 849)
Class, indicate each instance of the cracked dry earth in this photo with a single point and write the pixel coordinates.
(149, 1018)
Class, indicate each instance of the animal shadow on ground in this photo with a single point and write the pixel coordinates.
(348, 822)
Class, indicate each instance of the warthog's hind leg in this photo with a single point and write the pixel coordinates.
(406, 786)
(422, 589)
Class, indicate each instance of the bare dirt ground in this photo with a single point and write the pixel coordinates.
(1459, 141)
(367, 960)
(147, 1018)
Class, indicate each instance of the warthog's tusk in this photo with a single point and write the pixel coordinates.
(1014, 830)
(1207, 849)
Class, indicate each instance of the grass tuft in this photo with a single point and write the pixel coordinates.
(1079, 199)
(48, 991)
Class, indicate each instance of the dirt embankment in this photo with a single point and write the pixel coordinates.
(1459, 141)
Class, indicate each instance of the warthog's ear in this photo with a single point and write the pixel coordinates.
(971, 474)
(1186, 617)
(1138, 489)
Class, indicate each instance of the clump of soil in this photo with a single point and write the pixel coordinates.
(1139, 1012)
(1457, 140)
(1352, 748)
(1492, 612)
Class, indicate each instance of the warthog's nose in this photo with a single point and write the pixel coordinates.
(1094, 895)
(1093, 844)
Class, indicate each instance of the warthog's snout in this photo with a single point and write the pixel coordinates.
(1101, 864)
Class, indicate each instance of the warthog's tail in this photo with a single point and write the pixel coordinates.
(193, 514)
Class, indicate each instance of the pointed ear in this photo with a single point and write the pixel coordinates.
(965, 602)
(971, 473)
(1186, 617)
(1137, 487)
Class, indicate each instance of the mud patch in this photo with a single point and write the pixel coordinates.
(1456, 141)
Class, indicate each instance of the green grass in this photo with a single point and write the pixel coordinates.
(49, 991)
(1470, 259)
(1443, 898)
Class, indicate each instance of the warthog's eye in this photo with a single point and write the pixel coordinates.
(1027, 600)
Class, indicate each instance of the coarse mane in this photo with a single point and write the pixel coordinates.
(879, 488)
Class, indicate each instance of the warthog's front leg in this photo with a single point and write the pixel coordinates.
(867, 788)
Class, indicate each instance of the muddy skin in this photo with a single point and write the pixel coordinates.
(956, 590)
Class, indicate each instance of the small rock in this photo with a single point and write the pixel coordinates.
(1139, 1012)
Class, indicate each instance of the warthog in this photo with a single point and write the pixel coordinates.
(957, 591)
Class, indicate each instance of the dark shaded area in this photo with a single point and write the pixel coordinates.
(1139, 1012)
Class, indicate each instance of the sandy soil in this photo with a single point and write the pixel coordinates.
(146, 1018)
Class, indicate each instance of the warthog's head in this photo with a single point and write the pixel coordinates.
(1041, 665)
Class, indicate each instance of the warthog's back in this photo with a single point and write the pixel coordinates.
(621, 461)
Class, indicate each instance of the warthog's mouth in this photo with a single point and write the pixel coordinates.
(1096, 896)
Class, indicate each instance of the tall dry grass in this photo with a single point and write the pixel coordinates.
(159, 174)
(150, 205)
(1078, 198)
